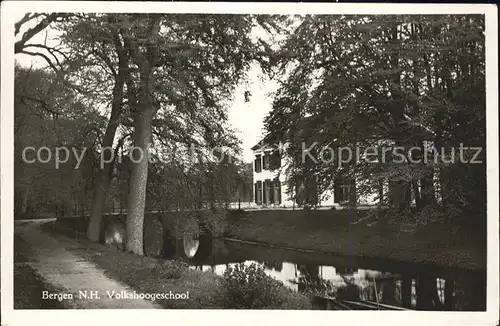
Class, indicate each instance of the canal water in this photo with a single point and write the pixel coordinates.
(399, 284)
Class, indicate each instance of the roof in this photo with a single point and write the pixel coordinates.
(262, 143)
(408, 127)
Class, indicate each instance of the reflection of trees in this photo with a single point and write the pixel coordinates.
(310, 281)
(478, 293)
(431, 293)
(468, 293)
(421, 292)
(383, 288)
(343, 270)
(350, 291)
(274, 265)
(389, 292)
(427, 293)
(449, 285)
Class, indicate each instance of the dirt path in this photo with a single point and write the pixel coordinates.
(65, 270)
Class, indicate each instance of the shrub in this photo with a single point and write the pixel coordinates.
(248, 287)
(171, 269)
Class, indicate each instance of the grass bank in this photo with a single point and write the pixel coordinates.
(333, 231)
(150, 275)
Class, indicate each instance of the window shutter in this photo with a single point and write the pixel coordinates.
(264, 198)
(256, 193)
(259, 192)
(271, 191)
(261, 197)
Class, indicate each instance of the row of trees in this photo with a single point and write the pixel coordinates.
(412, 80)
(48, 115)
(163, 82)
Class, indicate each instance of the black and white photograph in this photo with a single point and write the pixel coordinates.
(253, 156)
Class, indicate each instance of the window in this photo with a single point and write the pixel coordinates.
(306, 191)
(275, 160)
(258, 163)
(271, 161)
(266, 161)
(343, 191)
(268, 194)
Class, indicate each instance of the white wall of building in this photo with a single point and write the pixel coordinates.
(326, 200)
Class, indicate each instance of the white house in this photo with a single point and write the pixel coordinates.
(270, 189)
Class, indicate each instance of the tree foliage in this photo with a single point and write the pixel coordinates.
(48, 115)
(404, 80)
(164, 79)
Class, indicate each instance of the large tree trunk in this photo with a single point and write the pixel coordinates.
(102, 185)
(138, 179)
(104, 174)
(144, 108)
(402, 188)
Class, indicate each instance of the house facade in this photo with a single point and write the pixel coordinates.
(271, 190)
(268, 183)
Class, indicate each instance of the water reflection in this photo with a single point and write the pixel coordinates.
(191, 246)
(380, 284)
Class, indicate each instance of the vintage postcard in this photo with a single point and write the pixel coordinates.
(249, 163)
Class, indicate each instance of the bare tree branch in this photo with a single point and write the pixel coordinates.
(43, 103)
(46, 58)
(51, 50)
(24, 20)
(28, 35)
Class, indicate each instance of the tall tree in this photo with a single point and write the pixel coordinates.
(99, 63)
(186, 67)
(393, 81)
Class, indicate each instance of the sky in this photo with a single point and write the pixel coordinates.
(246, 118)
